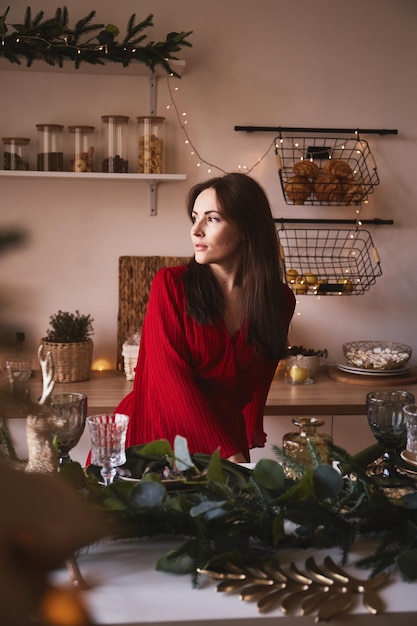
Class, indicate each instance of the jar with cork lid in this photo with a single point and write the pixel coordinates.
(16, 153)
(115, 143)
(81, 148)
(50, 156)
(151, 144)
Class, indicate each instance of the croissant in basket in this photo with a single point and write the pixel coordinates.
(327, 188)
(352, 191)
(309, 169)
(337, 167)
(298, 189)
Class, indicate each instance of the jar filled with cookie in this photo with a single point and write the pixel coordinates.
(151, 144)
(115, 143)
(81, 148)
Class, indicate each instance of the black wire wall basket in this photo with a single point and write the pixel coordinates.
(330, 171)
(342, 262)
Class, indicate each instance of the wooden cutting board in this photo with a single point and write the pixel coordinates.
(372, 380)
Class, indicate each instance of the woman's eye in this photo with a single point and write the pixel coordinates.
(212, 218)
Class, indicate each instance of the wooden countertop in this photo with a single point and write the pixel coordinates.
(324, 397)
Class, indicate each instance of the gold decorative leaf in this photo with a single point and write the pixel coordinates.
(325, 591)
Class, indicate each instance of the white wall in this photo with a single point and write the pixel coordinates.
(270, 62)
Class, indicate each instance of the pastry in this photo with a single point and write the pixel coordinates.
(298, 189)
(337, 167)
(352, 191)
(306, 168)
(327, 189)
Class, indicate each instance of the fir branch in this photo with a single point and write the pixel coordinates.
(51, 40)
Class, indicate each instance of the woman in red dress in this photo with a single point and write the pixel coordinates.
(214, 329)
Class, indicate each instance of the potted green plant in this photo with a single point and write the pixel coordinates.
(69, 342)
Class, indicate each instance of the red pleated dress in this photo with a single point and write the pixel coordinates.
(196, 380)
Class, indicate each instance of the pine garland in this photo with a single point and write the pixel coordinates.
(53, 41)
(231, 514)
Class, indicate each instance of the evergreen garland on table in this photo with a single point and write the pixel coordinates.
(230, 514)
(53, 41)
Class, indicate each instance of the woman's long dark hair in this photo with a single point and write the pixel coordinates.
(243, 202)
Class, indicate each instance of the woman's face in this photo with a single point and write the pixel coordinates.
(215, 240)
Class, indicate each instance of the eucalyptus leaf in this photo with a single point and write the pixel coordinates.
(113, 30)
(215, 469)
(269, 474)
(182, 456)
(105, 38)
(146, 494)
(302, 490)
(209, 509)
(328, 482)
(160, 446)
(175, 562)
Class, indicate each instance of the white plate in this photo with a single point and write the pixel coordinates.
(408, 458)
(350, 369)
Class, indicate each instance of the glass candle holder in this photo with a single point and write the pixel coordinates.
(298, 371)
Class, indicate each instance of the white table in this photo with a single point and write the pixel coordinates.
(128, 591)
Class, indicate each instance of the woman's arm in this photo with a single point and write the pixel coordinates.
(167, 398)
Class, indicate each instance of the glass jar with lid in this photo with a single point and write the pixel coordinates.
(16, 153)
(151, 144)
(50, 156)
(115, 143)
(81, 148)
(301, 446)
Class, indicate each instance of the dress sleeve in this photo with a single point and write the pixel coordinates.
(166, 399)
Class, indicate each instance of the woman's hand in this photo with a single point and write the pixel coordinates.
(237, 458)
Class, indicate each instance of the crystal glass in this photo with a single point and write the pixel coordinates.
(16, 369)
(72, 407)
(108, 437)
(410, 412)
(387, 421)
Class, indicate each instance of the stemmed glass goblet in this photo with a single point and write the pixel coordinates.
(387, 422)
(72, 408)
(108, 437)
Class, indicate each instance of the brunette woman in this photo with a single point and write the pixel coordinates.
(214, 329)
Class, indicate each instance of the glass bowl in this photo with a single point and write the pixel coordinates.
(377, 355)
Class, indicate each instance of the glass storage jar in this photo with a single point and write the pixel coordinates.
(151, 144)
(115, 143)
(15, 153)
(50, 151)
(81, 148)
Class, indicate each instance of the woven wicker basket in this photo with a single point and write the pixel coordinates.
(71, 361)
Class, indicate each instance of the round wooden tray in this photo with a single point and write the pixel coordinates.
(372, 381)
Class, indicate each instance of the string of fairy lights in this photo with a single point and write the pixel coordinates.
(182, 119)
(275, 145)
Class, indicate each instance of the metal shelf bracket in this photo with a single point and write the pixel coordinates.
(152, 197)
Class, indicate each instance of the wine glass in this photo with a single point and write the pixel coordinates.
(72, 408)
(387, 421)
(108, 437)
